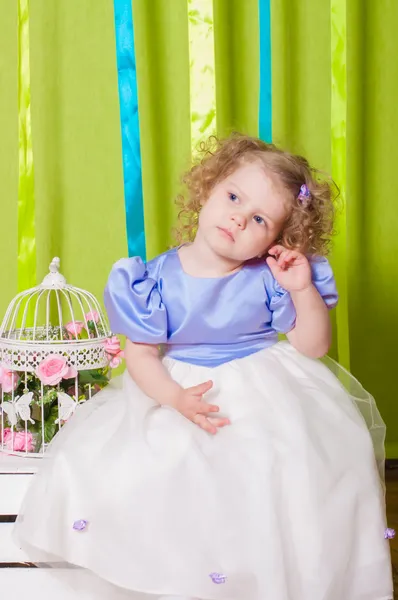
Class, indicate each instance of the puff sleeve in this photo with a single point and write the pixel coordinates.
(281, 304)
(134, 304)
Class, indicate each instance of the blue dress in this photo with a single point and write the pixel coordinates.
(204, 321)
(283, 504)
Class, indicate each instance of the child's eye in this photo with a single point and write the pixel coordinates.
(233, 197)
(259, 220)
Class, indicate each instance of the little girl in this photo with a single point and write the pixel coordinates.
(230, 466)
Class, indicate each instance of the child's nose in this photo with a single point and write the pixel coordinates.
(239, 220)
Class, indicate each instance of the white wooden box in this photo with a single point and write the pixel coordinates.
(16, 580)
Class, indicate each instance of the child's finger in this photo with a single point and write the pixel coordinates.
(288, 257)
(276, 250)
(273, 265)
(201, 388)
(293, 254)
(282, 258)
(204, 424)
(219, 421)
(204, 408)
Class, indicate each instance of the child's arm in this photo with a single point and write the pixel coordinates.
(145, 367)
(312, 332)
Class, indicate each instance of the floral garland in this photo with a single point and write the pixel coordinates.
(35, 405)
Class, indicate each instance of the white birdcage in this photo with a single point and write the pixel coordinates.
(54, 354)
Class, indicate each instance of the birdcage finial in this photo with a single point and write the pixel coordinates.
(54, 279)
(55, 264)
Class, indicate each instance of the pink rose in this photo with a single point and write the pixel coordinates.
(92, 316)
(74, 328)
(9, 380)
(112, 346)
(54, 368)
(114, 353)
(22, 441)
(115, 361)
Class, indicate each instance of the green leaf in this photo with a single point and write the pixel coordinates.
(92, 376)
(50, 429)
(38, 444)
(50, 396)
(83, 334)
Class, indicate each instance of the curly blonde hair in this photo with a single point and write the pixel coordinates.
(308, 229)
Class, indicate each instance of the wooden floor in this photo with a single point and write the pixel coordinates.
(392, 518)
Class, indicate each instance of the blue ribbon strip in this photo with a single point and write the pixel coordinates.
(265, 112)
(128, 100)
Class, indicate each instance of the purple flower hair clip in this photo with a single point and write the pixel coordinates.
(304, 196)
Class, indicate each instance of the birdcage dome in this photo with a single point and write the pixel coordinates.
(48, 319)
(56, 352)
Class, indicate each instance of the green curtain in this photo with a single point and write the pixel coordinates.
(8, 152)
(301, 42)
(77, 147)
(162, 55)
(237, 62)
(76, 141)
(372, 201)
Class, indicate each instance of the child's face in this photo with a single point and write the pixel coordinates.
(244, 214)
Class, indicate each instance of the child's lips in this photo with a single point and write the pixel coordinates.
(226, 233)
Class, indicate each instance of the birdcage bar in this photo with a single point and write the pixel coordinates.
(26, 437)
(10, 308)
(71, 311)
(59, 409)
(75, 295)
(96, 306)
(15, 314)
(25, 312)
(36, 313)
(80, 295)
(26, 422)
(12, 405)
(42, 416)
(61, 324)
(48, 314)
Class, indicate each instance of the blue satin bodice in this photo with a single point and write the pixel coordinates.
(204, 321)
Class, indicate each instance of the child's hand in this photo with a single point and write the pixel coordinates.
(291, 269)
(190, 403)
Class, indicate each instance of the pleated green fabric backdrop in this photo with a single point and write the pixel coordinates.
(76, 141)
(77, 148)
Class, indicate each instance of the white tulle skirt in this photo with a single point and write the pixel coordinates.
(286, 503)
